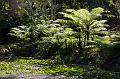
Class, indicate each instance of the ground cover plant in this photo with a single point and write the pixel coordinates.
(35, 66)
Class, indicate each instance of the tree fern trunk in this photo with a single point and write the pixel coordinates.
(66, 47)
(80, 42)
(88, 35)
(85, 40)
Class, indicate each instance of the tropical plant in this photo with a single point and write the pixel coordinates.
(88, 24)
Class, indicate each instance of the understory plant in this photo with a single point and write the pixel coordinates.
(77, 38)
(88, 28)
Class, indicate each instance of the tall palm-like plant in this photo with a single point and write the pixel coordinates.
(89, 25)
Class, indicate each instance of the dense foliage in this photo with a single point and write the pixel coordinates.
(82, 32)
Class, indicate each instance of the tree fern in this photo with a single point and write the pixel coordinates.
(88, 23)
(21, 32)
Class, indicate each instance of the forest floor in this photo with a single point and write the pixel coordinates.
(31, 68)
(39, 76)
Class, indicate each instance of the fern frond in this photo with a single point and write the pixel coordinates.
(97, 12)
(96, 23)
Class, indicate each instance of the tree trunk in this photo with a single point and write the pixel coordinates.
(52, 10)
(80, 42)
(88, 35)
(66, 47)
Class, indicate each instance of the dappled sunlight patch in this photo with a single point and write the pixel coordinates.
(27, 66)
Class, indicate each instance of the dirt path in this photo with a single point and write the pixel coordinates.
(40, 76)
